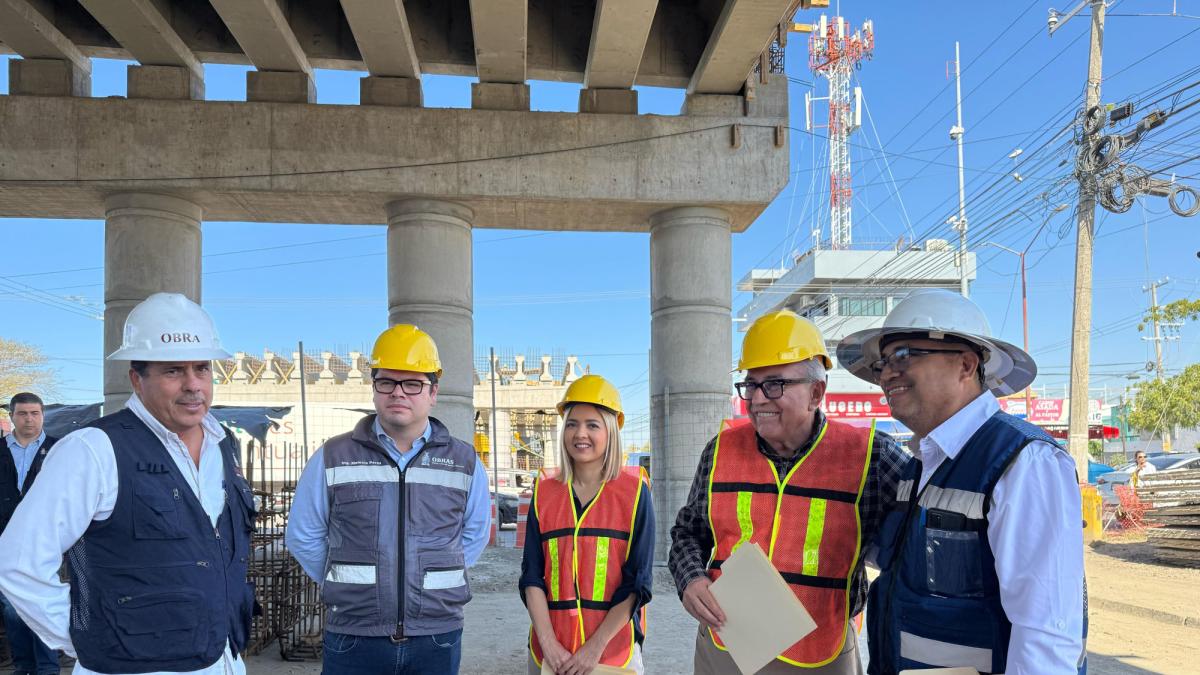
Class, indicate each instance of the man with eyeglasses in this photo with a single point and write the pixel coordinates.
(387, 518)
(982, 559)
(807, 490)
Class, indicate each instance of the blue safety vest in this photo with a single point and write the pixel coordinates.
(936, 602)
(155, 587)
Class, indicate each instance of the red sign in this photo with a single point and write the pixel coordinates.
(855, 406)
(1044, 410)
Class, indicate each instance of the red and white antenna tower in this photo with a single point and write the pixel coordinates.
(833, 53)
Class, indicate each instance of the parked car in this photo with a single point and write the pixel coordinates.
(1185, 461)
(508, 508)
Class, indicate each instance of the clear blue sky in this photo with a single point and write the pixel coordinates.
(588, 293)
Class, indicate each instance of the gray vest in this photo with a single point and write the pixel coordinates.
(395, 563)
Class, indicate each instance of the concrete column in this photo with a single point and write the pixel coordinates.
(151, 244)
(690, 348)
(429, 285)
(505, 456)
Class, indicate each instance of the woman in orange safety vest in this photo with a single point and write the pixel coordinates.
(589, 543)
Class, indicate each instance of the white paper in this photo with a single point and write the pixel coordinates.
(962, 670)
(763, 616)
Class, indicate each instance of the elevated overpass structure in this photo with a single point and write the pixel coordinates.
(156, 164)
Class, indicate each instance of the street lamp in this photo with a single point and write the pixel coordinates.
(1024, 295)
(1024, 312)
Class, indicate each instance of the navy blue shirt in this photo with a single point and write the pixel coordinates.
(637, 574)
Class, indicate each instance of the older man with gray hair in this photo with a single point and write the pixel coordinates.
(807, 490)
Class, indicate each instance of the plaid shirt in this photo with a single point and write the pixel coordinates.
(692, 540)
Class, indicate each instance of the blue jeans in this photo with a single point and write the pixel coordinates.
(30, 655)
(421, 655)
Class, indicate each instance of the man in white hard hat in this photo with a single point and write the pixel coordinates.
(982, 560)
(151, 511)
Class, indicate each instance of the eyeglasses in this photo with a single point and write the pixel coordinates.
(772, 389)
(901, 359)
(411, 387)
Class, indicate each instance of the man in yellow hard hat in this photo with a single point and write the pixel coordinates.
(387, 518)
(810, 492)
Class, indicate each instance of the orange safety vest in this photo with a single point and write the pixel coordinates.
(584, 554)
(807, 523)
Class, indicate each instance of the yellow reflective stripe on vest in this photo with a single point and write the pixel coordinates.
(745, 522)
(600, 578)
(554, 568)
(812, 536)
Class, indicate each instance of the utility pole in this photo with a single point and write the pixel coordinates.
(956, 133)
(1081, 327)
(1158, 340)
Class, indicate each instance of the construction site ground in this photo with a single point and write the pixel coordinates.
(1145, 618)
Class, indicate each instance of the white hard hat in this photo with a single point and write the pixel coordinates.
(169, 327)
(938, 314)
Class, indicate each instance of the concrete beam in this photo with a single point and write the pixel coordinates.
(30, 33)
(619, 32)
(147, 35)
(263, 32)
(327, 164)
(500, 28)
(384, 38)
(744, 29)
(34, 36)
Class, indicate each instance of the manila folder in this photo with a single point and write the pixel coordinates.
(763, 617)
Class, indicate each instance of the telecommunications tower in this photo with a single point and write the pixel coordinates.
(833, 53)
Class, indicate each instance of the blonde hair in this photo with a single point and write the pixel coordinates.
(613, 455)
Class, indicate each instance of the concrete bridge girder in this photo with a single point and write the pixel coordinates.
(157, 165)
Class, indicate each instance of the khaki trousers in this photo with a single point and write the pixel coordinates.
(712, 661)
(635, 662)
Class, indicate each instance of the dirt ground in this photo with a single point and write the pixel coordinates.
(1144, 618)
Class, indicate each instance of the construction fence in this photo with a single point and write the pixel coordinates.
(290, 602)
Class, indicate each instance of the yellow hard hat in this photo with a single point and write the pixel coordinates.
(406, 347)
(782, 337)
(595, 390)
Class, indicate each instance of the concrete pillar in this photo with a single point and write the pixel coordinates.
(429, 285)
(690, 348)
(151, 244)
(505, 454)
